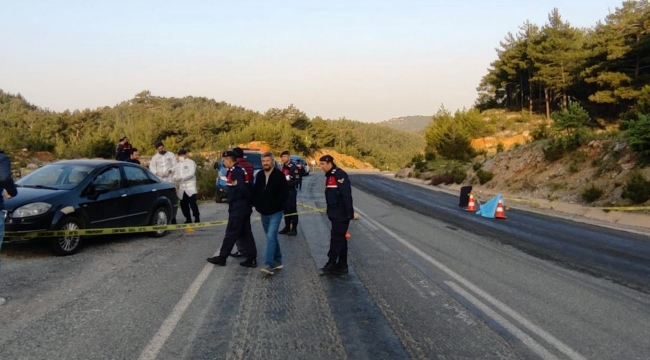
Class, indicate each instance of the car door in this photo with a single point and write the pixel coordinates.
(110, 209)
(141, 194)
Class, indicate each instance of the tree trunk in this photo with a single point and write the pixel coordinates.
(548, 104)
(521, 89)
(530, 97)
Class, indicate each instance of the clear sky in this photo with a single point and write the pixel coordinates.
(359, 59)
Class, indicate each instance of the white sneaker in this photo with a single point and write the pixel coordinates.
(2, 301)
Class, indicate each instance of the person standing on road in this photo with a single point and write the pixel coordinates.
(134, 157)
(162, 164)
(185, 179)
(338, 195)
(270, 194)
(8, 189)
(239, 215)
(248, 168)
(123, 150)
(292, 174)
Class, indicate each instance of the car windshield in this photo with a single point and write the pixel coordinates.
(255, 159)
(56, 176)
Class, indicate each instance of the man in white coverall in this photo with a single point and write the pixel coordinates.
(162, 164)
(185, 180)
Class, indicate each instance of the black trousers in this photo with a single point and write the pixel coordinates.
(239, 228)
(188, 202)
(338, 243)
(291, 207)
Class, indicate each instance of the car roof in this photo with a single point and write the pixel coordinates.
(88, 162)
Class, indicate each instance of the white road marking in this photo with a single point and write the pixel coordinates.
(158, 341)
(527, 340)
(565, 349)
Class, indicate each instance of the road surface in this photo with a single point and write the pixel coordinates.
(426, 282)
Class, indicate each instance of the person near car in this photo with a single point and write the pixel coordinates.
(239, 214)
(185, 180)
(338, 196)
(162, 163)
(270, 195)
(8, 189)
(248, 168)
(292, 174)
(134, 157)
(301, 171)
(123, 150)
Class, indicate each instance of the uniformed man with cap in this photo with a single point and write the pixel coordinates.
(292, 174)
(338, 196)
(239, 195)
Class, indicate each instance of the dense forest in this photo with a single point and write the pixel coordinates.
(194, 123)
(605, 68)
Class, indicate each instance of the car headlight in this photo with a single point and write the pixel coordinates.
(223, 177)
(32, 209)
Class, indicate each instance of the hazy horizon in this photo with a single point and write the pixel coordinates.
(362, 60)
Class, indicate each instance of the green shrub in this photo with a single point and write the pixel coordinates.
(500, 147)
(477, 166)
(637, 133)
(573, 168)
(206, 179)
(459, 175)
(541, 132)
(484, 176)
(445, 178)
(597, 162)
(554, 151)
(592, 193)
(636, 188)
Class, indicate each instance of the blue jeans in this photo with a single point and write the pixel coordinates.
(271, 224)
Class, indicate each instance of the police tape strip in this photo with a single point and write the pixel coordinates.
(133, 230)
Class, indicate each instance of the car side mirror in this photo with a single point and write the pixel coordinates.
(98, 190)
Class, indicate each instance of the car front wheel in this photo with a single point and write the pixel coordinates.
(69, 244)
(160, 217)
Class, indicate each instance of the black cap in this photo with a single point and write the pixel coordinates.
(239, 151)
(229, 153)
(159, 144)
(326, 158)
(182, 152)
(286, 152)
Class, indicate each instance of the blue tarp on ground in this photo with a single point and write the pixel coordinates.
(489, 209)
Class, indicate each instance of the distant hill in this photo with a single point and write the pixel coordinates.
(413, 123)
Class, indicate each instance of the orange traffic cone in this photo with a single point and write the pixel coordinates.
(471, 206)
(500, 214)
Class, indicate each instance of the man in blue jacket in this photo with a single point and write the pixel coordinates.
(8, 190)
(239, 195)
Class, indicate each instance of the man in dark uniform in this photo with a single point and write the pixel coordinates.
(239, 212)
(292, 174)
(338, 195)
(134, 157)
(248, 168)
(7, 191)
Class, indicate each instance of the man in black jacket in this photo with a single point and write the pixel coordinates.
(270, 194)
(239, 214)
(7, 191)
(338, 195)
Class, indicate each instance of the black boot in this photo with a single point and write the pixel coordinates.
(293, 231)
(285, 230)
(217, 260)
(341, 267)
(197, 219)
(329, 268)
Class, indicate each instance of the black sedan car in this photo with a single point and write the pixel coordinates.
(89, 194)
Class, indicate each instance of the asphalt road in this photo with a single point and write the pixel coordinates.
(425, 282)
